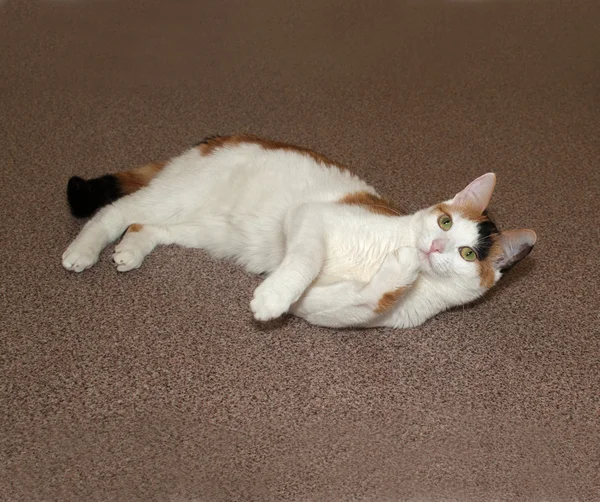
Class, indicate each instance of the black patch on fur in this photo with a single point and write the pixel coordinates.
(486, 230)
(86, 196)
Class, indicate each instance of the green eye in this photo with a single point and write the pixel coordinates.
(445, 222)
(468, 254)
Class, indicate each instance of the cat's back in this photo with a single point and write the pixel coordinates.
(265, 171)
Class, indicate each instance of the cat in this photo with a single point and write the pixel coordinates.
(336, 253)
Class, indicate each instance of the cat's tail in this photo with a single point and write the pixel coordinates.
(86, 196)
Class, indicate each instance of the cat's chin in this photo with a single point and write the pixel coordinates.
(429, 265)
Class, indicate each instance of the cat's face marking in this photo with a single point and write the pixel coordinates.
(458, 239)
(453, 245)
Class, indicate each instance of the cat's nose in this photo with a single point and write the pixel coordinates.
(437, 246)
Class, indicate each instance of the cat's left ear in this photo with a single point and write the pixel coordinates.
(515, 245)
(478, 194)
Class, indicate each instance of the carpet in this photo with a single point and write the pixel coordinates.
(157, 385)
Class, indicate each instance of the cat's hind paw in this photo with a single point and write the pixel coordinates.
(78, 258)
(268, 304)
(127, 257)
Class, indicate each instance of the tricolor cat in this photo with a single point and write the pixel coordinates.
(336, 253)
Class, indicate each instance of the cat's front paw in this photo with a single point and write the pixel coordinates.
(400, 267)
(408, 260)
(77, 258)
(268, 304)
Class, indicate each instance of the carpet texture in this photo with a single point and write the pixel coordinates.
(156, 385)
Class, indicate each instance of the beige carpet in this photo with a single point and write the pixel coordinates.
(156, 385)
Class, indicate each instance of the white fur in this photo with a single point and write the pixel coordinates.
(277, 212)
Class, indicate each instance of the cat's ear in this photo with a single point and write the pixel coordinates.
(478, 194)
(515, 245)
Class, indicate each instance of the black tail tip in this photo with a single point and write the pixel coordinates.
(80, 198)
(86, 196)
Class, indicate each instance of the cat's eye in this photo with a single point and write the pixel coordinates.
(445, 222)
(468, 254)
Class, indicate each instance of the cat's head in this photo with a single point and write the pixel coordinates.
(458, 240)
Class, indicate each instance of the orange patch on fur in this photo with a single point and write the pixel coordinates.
(371, 202)
(209, 145)
(136, 227)
(465, 211)
(388, 300)
(134, 179)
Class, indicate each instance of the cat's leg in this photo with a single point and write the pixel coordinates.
(303, 260)
(140, 240)
(106, 226)
(103, 228)
(354, 303)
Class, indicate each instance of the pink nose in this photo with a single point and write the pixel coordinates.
(437, 246)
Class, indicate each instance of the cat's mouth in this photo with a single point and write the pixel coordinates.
(426, 261)
(425, 256)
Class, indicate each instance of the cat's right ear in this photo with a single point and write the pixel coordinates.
(478, 194)
(515, 245)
